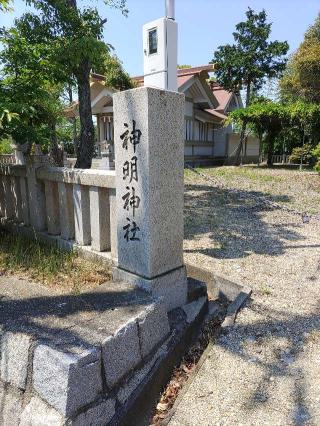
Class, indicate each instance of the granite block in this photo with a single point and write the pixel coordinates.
(153, 328)
(172, 287)
(14, 358)
(149, 147)
(113, 223)
(10, 406)
(37, 413)
(139, 376)
(99, 415)
(193, 309)
(60, 378)
(121, 353)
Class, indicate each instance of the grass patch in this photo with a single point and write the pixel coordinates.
(300, 190)
(49, 265)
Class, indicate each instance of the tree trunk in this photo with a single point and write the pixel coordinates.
(260, 146)
(270, 143)
(86, 143)
(238, 160)
(74, 123)
(239, 154)
(55, 151)
(85, 148)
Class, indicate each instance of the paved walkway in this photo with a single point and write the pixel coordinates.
(266, 370)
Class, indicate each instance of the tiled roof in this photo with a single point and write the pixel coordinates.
(195, 70)
(223, 96)
(99, 77)
(216, 113)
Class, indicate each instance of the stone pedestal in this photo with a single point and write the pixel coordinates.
(149, 153)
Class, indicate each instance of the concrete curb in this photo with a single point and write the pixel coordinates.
(141, 405)
(238, 295)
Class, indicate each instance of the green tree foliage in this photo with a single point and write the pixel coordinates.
(252, 58)
(6, 146)
(302, 76)
(5, 5)
(303, 154)
(26, 89)
(116, 77)
(316, 153)
(271, 119)
(45, 52)
(75, 35)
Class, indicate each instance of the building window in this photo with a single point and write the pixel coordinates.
(153, 41)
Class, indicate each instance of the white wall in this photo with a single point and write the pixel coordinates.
(188, 150)
(220, 141)
(203, 150)
(189, 109)
(234, 139)
(252, 145)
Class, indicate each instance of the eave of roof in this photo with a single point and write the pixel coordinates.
(216, 114)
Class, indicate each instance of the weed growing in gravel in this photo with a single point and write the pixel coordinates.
(266, 290)
(48, 265)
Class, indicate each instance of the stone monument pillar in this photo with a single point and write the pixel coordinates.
(149, 156)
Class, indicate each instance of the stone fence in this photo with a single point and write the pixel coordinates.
(72, 205)
(131, 217)
(7, 159)
(79, 361)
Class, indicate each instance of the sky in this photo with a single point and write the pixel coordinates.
(203, 25)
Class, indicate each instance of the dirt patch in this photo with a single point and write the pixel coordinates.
(265, 371)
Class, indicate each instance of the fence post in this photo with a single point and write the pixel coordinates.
(66, 210)
(81, 202)
(37, 202)
(100, 218)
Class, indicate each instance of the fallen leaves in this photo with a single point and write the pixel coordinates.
(182, 373)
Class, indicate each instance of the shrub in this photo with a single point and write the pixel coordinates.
(306, 151)
(316, 153)
(5, 146)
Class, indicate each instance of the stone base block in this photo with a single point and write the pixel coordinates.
(172, 287)
(10, 406)
(39, 413)
(67, 381)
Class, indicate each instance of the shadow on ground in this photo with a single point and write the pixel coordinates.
(288, 335)
(234, 225)
(68, 321)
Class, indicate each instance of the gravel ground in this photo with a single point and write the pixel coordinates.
(266, 370)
